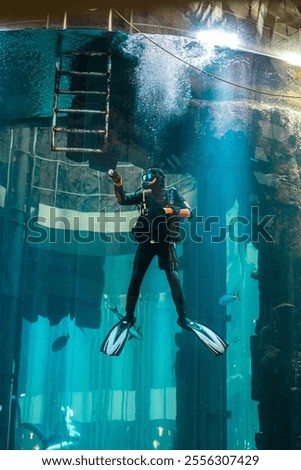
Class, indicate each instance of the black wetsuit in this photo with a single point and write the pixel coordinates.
(157, 235)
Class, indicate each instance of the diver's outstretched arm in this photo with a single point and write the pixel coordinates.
(123, 198)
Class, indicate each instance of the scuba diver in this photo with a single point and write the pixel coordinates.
(156, 231)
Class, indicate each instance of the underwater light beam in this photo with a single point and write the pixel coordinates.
(292, 58)
(218, 38)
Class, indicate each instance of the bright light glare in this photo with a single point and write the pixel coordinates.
(292, 58)
(218, 38)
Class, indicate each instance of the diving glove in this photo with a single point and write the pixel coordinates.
(115, 177)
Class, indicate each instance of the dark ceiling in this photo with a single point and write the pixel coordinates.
(30, 7)
(34, 7)
(281, 17)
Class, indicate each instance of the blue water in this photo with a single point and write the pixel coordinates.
(166, 391)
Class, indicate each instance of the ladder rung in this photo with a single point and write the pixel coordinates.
(80, 92)
(79, 131)
(61, 88)
(76, 149)
(91, 111)
(74, 72)
(85, 53)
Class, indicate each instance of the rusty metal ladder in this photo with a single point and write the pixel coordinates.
(66, 103)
